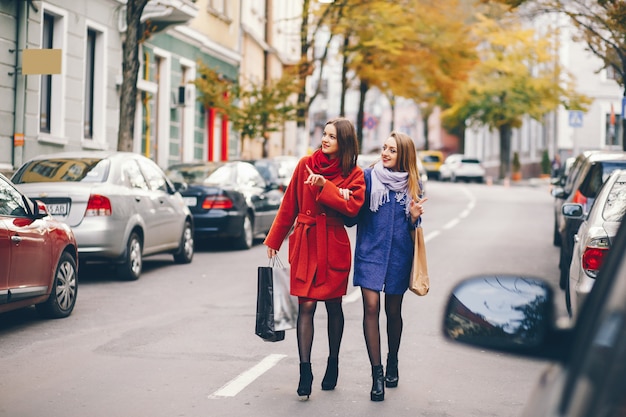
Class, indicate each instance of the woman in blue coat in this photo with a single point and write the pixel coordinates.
(384, 250)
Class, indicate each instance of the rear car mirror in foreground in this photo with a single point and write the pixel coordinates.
(506, 313)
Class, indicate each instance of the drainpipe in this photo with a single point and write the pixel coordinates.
(19, 81)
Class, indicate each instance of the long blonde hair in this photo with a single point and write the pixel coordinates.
(407, 162)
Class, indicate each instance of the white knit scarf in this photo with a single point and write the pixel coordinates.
(383, 180)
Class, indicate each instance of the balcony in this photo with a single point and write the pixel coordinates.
(165, 13)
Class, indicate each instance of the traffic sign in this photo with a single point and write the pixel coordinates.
(575, 118)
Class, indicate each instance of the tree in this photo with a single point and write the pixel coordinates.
(135, 32)
(601, 25)
(516, 77)
(254, 109)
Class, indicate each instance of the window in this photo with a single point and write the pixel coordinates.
(156, 180)
(94, 86)
(133, 176)
(613, 129)
(46, 80)
(611, 74)
(90, 62)
(219, 8)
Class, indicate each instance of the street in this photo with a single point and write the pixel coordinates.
(180, 341)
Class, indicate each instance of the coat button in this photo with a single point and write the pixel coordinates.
(308, 212)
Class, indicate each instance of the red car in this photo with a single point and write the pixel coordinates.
(38, 257)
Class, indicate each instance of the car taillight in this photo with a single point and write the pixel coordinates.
(217, 202)
(593, 256)
(579, 198)
(98, 205)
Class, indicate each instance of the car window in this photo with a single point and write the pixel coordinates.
(11, 203)
(191, 174)
(133, 176)
(156, 180)
(223, 175)
(613, 210)
(574, 174)
(470, 161)
(63, 170)
(430, 158)
(250, 176)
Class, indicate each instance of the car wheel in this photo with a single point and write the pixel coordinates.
(130, 268)
(246, 237)
(184, 255)
(556, 237)
(64, 289)
(568, 298)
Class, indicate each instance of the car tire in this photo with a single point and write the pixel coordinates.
(64, 289)
(556, 238)
(246, 235)
(568, 298)
(184, 255)
(130, 268)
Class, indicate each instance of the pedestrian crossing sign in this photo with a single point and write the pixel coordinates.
(575, 118)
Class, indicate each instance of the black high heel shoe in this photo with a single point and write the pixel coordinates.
(306, 380)
(378, 384)
(392, 377)
(332, 373)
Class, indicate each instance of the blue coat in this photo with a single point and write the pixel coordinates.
(384, 247)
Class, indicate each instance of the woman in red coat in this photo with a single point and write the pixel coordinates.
(325, 186)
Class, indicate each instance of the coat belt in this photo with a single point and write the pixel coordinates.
(321, 221)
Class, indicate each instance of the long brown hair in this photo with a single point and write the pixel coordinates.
(407, 162)
(348, 144)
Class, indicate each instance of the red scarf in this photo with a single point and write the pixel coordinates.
(321, 164)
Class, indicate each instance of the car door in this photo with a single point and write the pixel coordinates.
(22, 240)
(141, 207)
(254, 188)
(169, 221)
(595, 381)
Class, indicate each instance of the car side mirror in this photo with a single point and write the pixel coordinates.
(505, 313)
(39, 210)
(573, 210)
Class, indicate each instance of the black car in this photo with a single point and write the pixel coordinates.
(588, 173)
(588, 376)
(228, 200)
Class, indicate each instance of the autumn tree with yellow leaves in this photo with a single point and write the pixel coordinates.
(517, 76)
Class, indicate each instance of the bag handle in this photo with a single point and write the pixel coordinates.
(275, 262)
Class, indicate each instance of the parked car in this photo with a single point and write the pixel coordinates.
(38, 257)
(228, 200)
(432, 161)
(589, 172)
(593, 240)
(120, 206)
(588, 373)
(559, 182)
(457, 167)
(286, 166)
(368, 160)
(269, 170)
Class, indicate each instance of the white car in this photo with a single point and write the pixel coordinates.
(594, 238)
(459, 167)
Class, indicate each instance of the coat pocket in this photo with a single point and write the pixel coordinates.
(339, 253)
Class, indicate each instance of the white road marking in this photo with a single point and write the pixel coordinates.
(234, 386)
(451, 223)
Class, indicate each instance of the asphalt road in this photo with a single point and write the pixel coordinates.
(180, 341)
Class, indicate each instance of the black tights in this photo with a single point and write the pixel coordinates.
(371, 329)
(306, 329)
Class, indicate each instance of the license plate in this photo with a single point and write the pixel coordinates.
(56, 209)
(190, 201)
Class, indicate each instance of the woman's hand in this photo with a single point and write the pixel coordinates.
(315, 179)
(416, 208)
(345, 193)
(271, 252)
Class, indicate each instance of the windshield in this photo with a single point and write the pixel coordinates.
(191, 174)
(63, 170)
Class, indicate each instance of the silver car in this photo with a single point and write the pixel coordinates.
(594, 238)
(120, 206)
(459, 167)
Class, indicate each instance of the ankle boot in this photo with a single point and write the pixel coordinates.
(306, 380)
(332, 372)
(392, 377)
(378, 384)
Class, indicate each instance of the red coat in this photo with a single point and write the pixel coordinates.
(319, 248)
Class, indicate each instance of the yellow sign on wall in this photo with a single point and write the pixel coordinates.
(41, 61)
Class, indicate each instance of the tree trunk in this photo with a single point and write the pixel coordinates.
(505, 150)
(363, 87)
(344, 78)
(130, 73)
(426, 111)
(392, 103)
